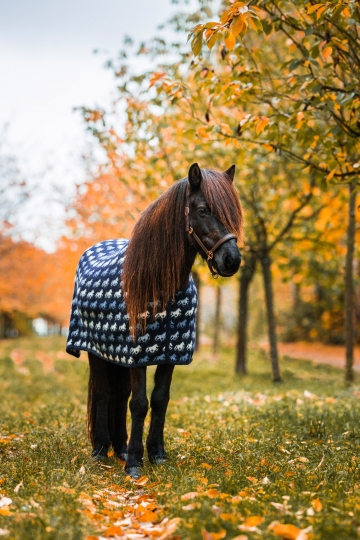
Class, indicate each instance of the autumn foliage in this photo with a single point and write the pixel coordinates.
(270, 86)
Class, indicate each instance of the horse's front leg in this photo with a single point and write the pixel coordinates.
(138, 406)
(159, 402)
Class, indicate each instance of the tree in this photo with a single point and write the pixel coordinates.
(307, 99)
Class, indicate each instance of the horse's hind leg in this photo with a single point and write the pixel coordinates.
(138, 407)
(159, 402)
(119, 379)
(98, 405)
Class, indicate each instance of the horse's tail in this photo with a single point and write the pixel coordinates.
(93, 391)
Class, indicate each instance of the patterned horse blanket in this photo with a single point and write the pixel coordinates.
(99, 322)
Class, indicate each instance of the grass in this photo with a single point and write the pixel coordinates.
(243, 451)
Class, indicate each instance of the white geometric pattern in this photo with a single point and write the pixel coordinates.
(99, 322)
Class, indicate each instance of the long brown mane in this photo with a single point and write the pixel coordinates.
(155, 257)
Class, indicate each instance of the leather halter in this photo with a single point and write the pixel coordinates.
(190, 230)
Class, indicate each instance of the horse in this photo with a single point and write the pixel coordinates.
(147, 316)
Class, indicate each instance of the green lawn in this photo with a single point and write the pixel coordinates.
(243, 451)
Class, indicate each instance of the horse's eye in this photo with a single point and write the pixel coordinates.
(202, 212)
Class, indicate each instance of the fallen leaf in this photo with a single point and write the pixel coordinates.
(16, 489)
(112, 531)
(204, 481)
(205, 466)
(213, 493)
(4, 532)
(82, 470)
(213, 536)
(5, 501)
(286, 531)
(317, 505)
(190, 495)
(191, 506)
(142, 481)
(252, 479)
(251, 523)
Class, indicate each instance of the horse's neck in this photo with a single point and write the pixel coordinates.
(189, 259)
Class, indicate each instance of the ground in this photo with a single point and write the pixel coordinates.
(248, 459)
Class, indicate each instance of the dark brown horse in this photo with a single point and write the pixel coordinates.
(199, 214)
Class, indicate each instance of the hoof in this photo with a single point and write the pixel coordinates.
(158, 460)
(99, 456)
(101, 459)
(122, 456)
(134, 472)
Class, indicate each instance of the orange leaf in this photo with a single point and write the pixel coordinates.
(202, 132)
(331, 174)
(213, 493)
(155, 78)
(204, 481)
(320, 11)
(213, 536)
(253, 521)
(230, 41)
(327, 52)
(252, 24)
(226, 128)
(264, 121)
(205, 466)
(252, 479)
(288, 532)
(112, 531)
(314, 8)
(269, 147)
(237, 25)
(142, 481)
(316, 505)
(147, 517)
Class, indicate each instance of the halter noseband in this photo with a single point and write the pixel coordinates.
(190, 230)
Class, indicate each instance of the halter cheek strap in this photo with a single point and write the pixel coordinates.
(209, 253)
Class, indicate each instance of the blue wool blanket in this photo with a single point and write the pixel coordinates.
(99, 322)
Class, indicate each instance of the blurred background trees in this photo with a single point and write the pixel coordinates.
(273, 88)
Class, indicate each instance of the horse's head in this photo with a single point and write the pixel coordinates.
(214, 218)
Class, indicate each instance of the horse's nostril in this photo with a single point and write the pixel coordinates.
(232, 263)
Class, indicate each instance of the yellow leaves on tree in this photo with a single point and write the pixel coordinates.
(264, 121)
(157, 76)
(233, 23)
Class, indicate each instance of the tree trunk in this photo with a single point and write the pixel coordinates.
(269, 298)
(197, 282)
(246, 276)
(349, 287)
(217, 321)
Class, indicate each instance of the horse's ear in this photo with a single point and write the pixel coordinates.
(231, 172)
(194, 177)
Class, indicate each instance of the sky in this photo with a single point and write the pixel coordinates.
(48, 68)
